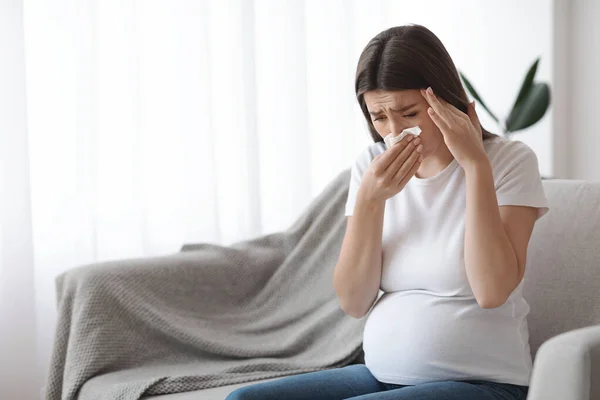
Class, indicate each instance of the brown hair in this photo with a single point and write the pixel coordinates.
(409, 57)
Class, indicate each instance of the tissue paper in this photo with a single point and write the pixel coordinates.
(390, 140)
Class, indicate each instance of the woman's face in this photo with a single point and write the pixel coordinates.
(394, 111)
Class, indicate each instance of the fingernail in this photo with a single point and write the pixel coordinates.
(408, 138)
(420, 148)
(429, 90)
(417, 141)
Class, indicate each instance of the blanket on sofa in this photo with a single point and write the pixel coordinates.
(208, 315)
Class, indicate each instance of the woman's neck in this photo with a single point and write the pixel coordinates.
(435, 163)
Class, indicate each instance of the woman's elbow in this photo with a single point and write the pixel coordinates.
(353, 312)
(491, 301)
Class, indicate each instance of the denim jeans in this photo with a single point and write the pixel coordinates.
(356, 382)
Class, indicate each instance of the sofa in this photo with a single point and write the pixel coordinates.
(562, 286)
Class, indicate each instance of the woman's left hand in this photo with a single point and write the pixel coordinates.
(462, 132)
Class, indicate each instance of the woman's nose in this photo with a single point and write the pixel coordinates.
(396, 127)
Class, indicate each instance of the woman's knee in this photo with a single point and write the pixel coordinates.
(243, 393)
(311, 385)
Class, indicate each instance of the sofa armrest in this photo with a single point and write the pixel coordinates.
(567, 366)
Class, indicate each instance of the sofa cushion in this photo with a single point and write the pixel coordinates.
(562, 277)
(215, 393)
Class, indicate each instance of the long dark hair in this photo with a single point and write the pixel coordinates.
(409, 57)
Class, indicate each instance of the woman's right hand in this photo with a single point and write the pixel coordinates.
(391, 170)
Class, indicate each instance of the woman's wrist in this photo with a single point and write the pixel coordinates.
(477, 167)
(368, 202)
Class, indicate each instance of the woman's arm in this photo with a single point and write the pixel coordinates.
(496, 239)
(357, 275)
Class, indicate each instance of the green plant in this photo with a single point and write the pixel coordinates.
(530, 106)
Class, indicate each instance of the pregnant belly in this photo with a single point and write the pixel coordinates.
(413, 337)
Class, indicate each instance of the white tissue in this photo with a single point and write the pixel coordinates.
(391, 140)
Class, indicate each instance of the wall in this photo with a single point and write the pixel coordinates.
(577, 84)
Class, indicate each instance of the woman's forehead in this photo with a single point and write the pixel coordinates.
(395, 97)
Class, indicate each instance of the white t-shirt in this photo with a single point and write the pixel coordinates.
(427, 326)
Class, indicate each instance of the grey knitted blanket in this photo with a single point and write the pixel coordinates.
(208, 315)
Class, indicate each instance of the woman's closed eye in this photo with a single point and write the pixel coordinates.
(411, 115)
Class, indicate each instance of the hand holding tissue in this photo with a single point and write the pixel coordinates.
(390, 139)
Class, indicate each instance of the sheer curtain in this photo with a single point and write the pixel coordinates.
(130, 127)
(17, 300)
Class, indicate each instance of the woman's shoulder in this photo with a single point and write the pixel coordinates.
(368, 153)
(503, 152)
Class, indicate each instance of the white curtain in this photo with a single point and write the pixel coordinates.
(18, 375)
(130, 127)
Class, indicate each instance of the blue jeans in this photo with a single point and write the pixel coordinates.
(356, 382)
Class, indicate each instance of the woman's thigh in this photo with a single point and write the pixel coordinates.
(450, 390)
(331, 384)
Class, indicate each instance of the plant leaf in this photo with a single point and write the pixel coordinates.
(531, 108)
(476, 96)
(527, 83)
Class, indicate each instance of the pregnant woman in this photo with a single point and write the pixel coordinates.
(440, 223)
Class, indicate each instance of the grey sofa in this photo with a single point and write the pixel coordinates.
(562, 286)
